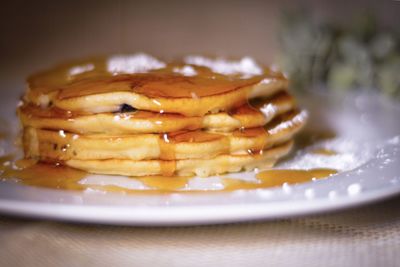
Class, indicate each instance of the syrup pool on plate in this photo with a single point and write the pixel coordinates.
(56, 176)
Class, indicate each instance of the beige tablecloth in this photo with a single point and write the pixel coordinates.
(367, 236)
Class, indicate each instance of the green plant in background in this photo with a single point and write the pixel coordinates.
(321, 53)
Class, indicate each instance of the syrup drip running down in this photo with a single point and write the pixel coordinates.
(167, 143)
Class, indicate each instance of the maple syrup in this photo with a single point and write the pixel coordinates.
(273, 178)
(56, 176)
(162, 183)
(32, 173)
(153, 79)
(167, 141)
(167, 144)
(324, 151)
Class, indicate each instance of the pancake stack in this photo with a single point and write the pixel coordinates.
(136, 115)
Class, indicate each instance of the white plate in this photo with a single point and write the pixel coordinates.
(367, 128)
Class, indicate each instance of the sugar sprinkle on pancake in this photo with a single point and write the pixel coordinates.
(98, 88)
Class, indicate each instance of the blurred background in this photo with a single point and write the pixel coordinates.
(338, 45)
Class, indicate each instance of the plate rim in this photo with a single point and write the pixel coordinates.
(186, 215)
(201, 214)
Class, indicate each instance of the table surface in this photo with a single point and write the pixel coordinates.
(365, 236)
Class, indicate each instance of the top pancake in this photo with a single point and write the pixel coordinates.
(193, 87)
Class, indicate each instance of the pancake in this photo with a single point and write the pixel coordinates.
(60, 145)
(187, 167)
(136, 115)
(194, 87)
(260, 112)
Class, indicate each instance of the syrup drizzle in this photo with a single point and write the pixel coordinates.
(167, 144)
